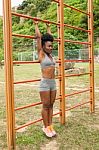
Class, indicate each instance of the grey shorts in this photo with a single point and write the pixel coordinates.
(47, 84)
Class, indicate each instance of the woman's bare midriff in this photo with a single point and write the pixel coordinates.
(48, 72)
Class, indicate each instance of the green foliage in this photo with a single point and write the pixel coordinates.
(96, 17)
(1, 40)
(1, 54)
(1, 33)
(44, 9)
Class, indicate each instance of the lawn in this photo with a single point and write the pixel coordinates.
(81, 131)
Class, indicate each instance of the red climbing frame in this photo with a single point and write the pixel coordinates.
(9, 64)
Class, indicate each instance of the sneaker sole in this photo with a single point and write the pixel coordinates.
(46, 134)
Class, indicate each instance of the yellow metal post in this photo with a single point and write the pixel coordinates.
(9, 74)
(91, 54)
(61, 11)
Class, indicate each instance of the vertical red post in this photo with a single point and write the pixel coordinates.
(91, 54)
(9, 74)
(61, 10)
(59, 54)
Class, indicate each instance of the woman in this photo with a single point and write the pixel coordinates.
(47, 84)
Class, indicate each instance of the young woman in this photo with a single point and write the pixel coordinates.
(47, 84)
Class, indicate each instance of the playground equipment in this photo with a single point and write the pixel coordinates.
(9, 63)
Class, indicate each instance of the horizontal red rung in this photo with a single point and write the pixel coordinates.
(32, 122)
(30, 36)
(77, 42)
(46, 21)
(75, 93)
(56, 113)
(58, 98)
(26, 62)
(77, 105)
(57, 61)
(27, 106)
(34, 18)
(24, 36)
(31, 105)
(76, 9)
(76, 60)
(30, 62)
(26, 81)
(19, 82)
(78, 28)
(72, 75)
(27, 124)
(57, 40)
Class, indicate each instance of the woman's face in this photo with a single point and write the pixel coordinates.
(48, 47)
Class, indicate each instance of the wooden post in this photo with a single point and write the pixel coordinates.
(61, 11)
(91, 54)
(9, 74)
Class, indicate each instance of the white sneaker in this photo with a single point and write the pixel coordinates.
(47, 131)
(53, 131)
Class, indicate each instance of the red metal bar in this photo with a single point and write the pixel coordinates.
(32, 122)
(91, 54)
(45, 21)
(26, 81)
(58, 98)
(31, 105)
(27, 106)
(77, 92)
(56, 113)
(78, 28)
(25, 36)
(26, 62)
(72, 75)
(62, 71)
(19, 82)
(75, 60)
(29, 62)
(77, 42)
(9, 88)
(77, 105)
(57, 40)
(76, 9)
(34, 18)
(27, 124)
(58, 61)
(30, 36)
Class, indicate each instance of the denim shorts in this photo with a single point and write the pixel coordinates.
(47, 84)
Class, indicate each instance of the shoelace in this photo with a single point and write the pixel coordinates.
(51, 128)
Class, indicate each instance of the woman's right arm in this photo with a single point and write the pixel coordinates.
(38, 37)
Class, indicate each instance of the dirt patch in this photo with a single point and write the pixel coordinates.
(51, 145)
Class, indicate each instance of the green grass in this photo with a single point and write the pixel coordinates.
(81, 131)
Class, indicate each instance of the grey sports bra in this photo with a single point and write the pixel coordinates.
(46, 62)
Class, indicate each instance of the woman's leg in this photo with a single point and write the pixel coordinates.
(52, 100)
(45, 98)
